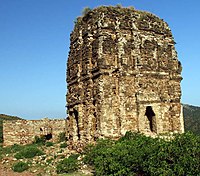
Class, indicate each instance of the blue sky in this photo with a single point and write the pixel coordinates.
(34, 46)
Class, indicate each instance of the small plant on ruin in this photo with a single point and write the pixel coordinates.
(49, 144)
(62, 137)
(131, 7)
(39, 140)
(63, 145)
(68, 165)
(86, 10)
(28, 152)
(19, 166)
(77, 20)
(119, 6)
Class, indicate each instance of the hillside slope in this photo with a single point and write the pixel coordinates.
(5, 117)
(191, 118)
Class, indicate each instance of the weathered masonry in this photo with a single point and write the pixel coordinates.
(24, 131)
(123, 74)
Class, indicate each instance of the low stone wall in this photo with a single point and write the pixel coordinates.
(24, 131)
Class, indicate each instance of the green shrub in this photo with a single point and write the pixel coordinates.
(49, 160)
(48, 144)
(39, 140)
(63, 145)
(68, 165)
(136, 154)
(20, 166)
(62, 137)
(92, 152)
(28, 152)
(16, 147)
(11, 149)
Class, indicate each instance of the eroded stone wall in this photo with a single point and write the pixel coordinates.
(24, 131)
(123, 74)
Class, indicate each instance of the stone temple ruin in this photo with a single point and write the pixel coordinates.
(123, 74)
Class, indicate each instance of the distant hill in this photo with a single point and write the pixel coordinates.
(191, 118)
(8, 117)
(5, 117)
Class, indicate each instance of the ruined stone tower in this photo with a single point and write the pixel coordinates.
(123, 74)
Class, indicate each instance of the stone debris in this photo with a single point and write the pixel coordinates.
(123, 75)
(39, 165)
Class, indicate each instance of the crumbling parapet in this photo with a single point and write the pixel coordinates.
(123, 74)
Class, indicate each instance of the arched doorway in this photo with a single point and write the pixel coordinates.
(151, 117)
(76, 116)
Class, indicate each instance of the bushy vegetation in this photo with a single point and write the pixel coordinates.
(39, 140)
(63, 145)
(20, 166)
(11, 149)
(28, 152)
(49, 144)
(136, 154)
(68, 165)
(62, 137)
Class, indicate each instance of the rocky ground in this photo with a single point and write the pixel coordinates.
(44, 165)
